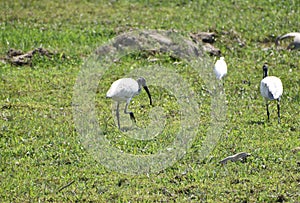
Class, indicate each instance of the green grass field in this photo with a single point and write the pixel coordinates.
(43, 159)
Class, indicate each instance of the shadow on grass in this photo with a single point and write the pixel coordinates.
(257, 122)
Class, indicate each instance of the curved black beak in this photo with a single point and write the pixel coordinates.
(149, 95)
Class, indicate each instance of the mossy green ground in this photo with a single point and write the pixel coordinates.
(40, 150)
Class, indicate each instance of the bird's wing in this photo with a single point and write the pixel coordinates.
(276, 90)
(123, 89)
(220, 68)
(264, 90)
(271, 87)
(291, 34)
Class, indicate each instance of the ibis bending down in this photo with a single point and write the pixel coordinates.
(295, 44)
(271, 89)
(125, 89)
(220, 68)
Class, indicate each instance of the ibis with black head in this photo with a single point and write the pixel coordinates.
(123, 90)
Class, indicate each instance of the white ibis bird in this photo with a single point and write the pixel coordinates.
(220, 68)
(125, 89)
(271, 89)
(293, 45)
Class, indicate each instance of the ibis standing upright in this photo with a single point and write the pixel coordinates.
(123, 90)
(220, 68)
(271, 89)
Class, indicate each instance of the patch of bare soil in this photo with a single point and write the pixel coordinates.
(153, 42)
(19, 58)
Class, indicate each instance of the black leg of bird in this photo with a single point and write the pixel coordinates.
(278, 109)
(132, 117)
(130, 113)
(117, 114)
(268, 113)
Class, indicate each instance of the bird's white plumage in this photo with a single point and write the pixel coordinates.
(296, 36)
(123, 89)
(220, 68)
(271, 87)
(295, 44)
